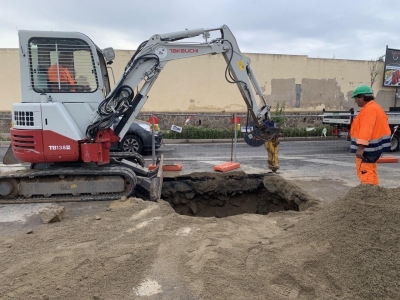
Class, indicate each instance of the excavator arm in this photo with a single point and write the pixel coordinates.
(151, 58)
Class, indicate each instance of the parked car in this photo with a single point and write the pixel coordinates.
(138, 138)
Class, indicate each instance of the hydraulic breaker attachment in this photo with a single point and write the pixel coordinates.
(272, 148)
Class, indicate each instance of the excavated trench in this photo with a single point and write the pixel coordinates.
(227, 194)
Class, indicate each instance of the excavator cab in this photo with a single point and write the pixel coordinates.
(58, 64)
(64, 80)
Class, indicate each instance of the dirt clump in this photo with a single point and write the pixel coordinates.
(145, 250)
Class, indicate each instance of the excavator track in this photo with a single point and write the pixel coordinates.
(67, 184)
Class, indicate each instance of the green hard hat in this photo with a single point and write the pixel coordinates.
(363, 90)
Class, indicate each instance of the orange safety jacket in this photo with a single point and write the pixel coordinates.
(65, 75)
(371, 129)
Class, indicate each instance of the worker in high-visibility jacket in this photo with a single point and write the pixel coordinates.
(370, 135)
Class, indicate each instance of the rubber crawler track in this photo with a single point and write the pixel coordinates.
(129, 176)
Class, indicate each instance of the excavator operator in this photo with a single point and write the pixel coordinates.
(61, 76)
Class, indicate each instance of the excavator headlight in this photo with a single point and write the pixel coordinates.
(109, 54)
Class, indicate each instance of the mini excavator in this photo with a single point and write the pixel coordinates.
(64, 126)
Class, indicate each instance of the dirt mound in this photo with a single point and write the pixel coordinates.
(348, 250)
(144, 250)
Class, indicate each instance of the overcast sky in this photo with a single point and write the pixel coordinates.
(341, 29)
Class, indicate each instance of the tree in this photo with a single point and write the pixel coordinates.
(279, 110)
(375, 68)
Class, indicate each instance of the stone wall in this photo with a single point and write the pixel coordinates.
(5, 124)
(166, 120)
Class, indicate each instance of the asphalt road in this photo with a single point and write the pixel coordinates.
(328, 163)
(305, 160)
(244, 152)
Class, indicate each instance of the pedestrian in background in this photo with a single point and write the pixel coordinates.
(370, 135)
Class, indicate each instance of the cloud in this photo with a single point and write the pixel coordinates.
(342, 29)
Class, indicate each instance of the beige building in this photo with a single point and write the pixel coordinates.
(199, 85)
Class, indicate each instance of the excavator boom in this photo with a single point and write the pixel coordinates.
(152, 56)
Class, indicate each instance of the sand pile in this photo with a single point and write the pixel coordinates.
(349, 249)
(143, 250)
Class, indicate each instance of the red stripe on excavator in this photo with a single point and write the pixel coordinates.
(39, 146)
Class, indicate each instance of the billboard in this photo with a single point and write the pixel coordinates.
(392, 68)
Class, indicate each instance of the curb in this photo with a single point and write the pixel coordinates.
(241, 140)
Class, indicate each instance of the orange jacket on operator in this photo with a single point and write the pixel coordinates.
(371, 129)
(65, 75)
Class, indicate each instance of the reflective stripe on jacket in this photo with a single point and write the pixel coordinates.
(370, 128)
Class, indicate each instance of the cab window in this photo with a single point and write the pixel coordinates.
(61, 66)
